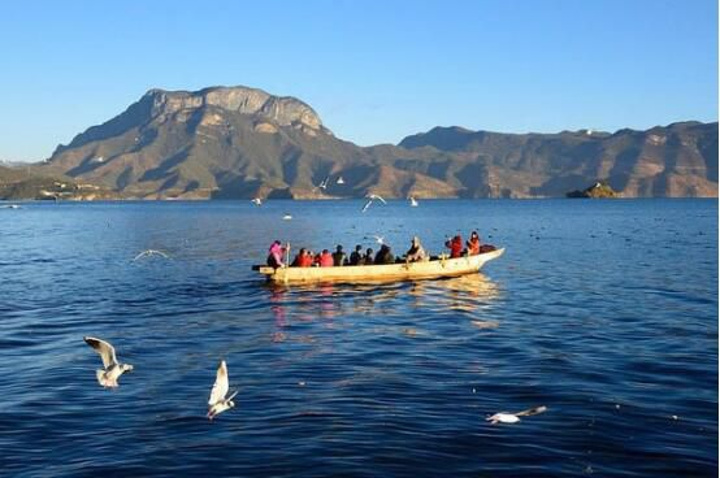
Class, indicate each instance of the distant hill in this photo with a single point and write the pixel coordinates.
(31, 182)
(238, 142)
(680, 160)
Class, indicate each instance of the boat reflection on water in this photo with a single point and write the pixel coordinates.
(470, 294)
(292, 305)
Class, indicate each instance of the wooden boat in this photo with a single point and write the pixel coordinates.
(436, 268)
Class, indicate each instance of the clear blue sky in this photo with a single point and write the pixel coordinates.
(375, 71)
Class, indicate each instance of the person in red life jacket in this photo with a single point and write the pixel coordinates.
(306, 260)
(298, 258)
(473, 244)
(455, 245)
(303, 259)
(275, 254)
(326, 259)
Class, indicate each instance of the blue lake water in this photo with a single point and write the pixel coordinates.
(606, 312)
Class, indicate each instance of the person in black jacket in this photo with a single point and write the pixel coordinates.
(367, 259)
(356, 255)
(339, 257)
(385, 255)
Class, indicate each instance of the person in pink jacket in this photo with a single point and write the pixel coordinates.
(275, 255)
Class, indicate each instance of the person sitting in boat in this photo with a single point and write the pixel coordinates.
(298, 258)
(339, 257)
(473, 244)
(384, 255)
(276, 252)
(416, 252)
(367, 259)
(455, 245)
(303, 259)
(356, 256)
(326, 259)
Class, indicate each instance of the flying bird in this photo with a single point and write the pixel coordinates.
(505, 417)
(151, 252)
(379, 239)
(287, 217)
(323, 184)
(413, 202)
(340, 180)
(371, 198)
(257, 201)
(112, 369)
(378, 197)
(218, 402)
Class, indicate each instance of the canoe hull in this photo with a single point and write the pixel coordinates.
(389, 272)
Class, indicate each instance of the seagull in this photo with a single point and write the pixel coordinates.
(371, 198)
(505, 417)
(151, 252)
(378, 197)
(379, 239)
(218, 402)
(257, 201)
(108, 376)
(323, 183)
(413, 202)
(287, 217)
(340, 180)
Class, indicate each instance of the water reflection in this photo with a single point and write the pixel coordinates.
(470, 293)
(327, 302)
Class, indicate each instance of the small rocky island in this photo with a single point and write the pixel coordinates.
(596, 191)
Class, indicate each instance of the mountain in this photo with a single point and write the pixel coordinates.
(239, 142)
(680, 160)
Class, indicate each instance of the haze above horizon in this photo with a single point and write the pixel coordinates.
(374, 72)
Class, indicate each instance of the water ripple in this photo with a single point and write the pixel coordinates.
(589, 313)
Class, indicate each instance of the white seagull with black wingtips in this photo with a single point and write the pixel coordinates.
(109, 375)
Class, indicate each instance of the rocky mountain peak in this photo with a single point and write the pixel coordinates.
(283, 111)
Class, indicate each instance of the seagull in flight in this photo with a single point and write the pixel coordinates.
(413, 202)
(379, 239)
(151, 252)
(371, 198)
(378, 197)
(218, 401)
(505, 417)
(112, 369)
(257, 201)
(340, 180)
(323, 184)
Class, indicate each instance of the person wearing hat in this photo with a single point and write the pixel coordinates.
(416, 252)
